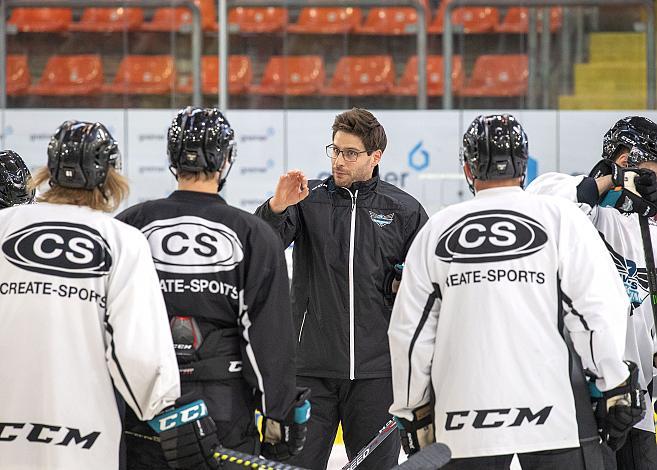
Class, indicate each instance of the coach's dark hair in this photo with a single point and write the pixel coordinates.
(361, 123)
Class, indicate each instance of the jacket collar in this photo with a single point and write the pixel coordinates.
(360, 186)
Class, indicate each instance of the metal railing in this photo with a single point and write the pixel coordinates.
(448, 42)
(421, 35)
(197, 33)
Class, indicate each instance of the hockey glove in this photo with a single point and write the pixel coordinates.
(621, 408)
(418, 433)
(626, 198)
(283, 439)
(187, 434)
(606, 167)
(646, 185)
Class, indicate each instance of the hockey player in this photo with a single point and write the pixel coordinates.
(14, 177)
(349, 232)
(224, 279)
(631, 141)
(81, 312)
(505, 302)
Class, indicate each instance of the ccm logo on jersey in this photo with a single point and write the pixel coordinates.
(185, 414)
(495, 235)
(496, 418)
(46, 434)
(192, 245)
(60, 249)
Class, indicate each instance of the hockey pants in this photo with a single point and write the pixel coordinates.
(579, 458)
(231, 406)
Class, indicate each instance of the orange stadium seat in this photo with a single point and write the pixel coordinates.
(175, 19)
(517, 20)
(18, 75)
(109, 20)
(471, 19)
(326, 21)
(361, 76)
(258, 20)
(40, 20)
(389, 21)
(292, 75)
(67, 75)
(240, 74)
(407, 85)
(143, 75)
(498, 76)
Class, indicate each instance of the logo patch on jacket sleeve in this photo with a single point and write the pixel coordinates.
(380, 219)
(488, 236)
(59, 249)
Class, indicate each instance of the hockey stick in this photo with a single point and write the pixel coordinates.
(223, 456)
(650, 265)
(431, 457)
(373, 444)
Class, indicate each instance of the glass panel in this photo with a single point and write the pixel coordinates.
(293, 67)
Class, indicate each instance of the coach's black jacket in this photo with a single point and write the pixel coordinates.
(346, 243)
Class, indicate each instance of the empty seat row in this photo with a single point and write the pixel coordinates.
(378, 21)
(492, 76)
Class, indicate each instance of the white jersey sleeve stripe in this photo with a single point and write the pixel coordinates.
(572, 310)
(115, 359)
(431, 300)
(246, 322)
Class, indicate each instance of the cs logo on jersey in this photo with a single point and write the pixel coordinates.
(192, 245)
(488, 236)
(59, 249)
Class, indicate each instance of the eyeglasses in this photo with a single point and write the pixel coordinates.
(350, 155)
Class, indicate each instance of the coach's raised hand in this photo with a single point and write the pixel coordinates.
(292, 188)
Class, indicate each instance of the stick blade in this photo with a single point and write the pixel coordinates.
(430, 458)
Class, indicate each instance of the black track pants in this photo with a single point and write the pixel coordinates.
(362, 407)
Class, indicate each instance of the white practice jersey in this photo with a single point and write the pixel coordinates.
(622, 236)
(81, 313)
(504, 301)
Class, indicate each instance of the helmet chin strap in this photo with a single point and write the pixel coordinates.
(468, 180)
(222, 177)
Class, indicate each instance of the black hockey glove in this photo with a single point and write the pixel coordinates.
(283, 439)
(621, 408)
(606, 167)
(626, 198)
(418, 433)
(188, 435)
(646, 185)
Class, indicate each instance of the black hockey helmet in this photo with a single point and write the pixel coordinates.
(14, 176)
(201, 139)
(80, 155)
(635, 133)
(495, 147)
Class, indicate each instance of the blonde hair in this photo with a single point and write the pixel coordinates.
(107, 199)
